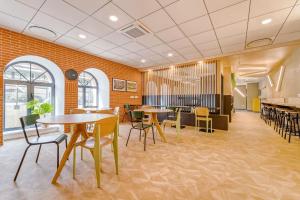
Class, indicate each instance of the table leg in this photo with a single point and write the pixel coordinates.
(160, 131)
(77, 131)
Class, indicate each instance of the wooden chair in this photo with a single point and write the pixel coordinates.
(29, 121)
(202, 114)
(174, 121)
(103, 129)
(137, 122)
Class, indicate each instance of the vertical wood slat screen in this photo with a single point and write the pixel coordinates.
(189, 85)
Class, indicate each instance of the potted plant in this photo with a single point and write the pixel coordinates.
(39, 108)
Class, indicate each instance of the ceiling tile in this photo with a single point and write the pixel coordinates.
(287, 37)
(229, 41)
(12, 23)
(166, 2)
(46, 21)
(146, 53)
(75, 32)
(256, 30)
(109, 10)
(32, 3)
(133, 56)
(181, 43)
(259, 7)
(149, 40)
(195, 26)
(92, 49)
(192, 56)
(138, 8)
(230, 14)
(188, 50)
(292, 24)
(89, 6)
(117, 38)
(233, 48)
(119, 51)
(177, 59)
(108, 55)
(95, 27)
(158, 21)
(208, 46)
(165, 54)
(17, 9)
(69, 42)
(161, 48)
(212, 52)
(213, 5)
(133, 46)
(170, 34)
(233, 29)
(203, 37)
(63, 11)
(184, 10)
(103, 44)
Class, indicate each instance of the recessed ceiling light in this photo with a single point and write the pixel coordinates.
(266, 21)
(113, 18)
(41, 31)
(82, 36)
(170, 54)
(143, 61)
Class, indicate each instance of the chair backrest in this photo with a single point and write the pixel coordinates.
(136, 116)
(78, 111)
(107, 126)
(127, 107)
(29, 121)
(201, 111)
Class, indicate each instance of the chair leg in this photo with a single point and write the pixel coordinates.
(16, 176)
(128, 137)
(37, 157)
(57, 164)
(116, 155)
(145, 140)
(153, 134)
(140, 135)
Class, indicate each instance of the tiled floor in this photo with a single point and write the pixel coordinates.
(248, 162)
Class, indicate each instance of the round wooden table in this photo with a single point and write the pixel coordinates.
(78, 121)
(154, 120)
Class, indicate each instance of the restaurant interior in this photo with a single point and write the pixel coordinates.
(150, 99)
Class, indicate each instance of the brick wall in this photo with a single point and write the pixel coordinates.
(13, 45)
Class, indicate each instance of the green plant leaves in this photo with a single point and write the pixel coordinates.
(39, 108)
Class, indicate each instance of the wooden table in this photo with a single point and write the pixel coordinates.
(154, 120)
(78, 121)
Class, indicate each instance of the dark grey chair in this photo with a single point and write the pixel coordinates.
(31, 120)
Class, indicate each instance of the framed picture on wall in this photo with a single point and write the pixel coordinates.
(131, 86)
(119, 85)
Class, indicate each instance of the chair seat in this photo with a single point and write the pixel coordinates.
(167, 121)
(203, 118)
(142, 126)
(48, 139)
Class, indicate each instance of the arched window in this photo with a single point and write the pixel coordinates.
(87, 91)
(24, 81)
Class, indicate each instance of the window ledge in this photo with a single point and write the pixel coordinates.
(10, 135)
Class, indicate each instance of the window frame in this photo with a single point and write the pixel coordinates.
(30, 88)
(84, 87)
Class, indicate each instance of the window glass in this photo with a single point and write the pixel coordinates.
(87, 90)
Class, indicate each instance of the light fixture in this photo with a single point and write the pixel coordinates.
(240, 92)
(172, 67)
(200, 62)
(170, 54)
(82, 36)
(251, 68)
(266, 21)
(113, 18)
(143, 61)
(270, 80)
(279, 80)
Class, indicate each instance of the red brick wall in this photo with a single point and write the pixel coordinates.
(13, 45)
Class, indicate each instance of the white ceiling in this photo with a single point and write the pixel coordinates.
(189, 29)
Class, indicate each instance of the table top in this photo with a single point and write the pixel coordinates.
(96, 109)
(73, 118)
(282, 104)
(154, 110)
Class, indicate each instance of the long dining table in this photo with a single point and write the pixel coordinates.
(153, 112)
(78, 121)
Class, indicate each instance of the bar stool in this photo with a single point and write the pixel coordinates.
(292, 120)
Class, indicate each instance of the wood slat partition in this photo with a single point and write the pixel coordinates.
(188, 85)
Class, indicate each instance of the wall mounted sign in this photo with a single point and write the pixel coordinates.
(131, 86)
(119, 85)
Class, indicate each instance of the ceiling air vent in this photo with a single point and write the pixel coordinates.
(259, 43)
(134, 30)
